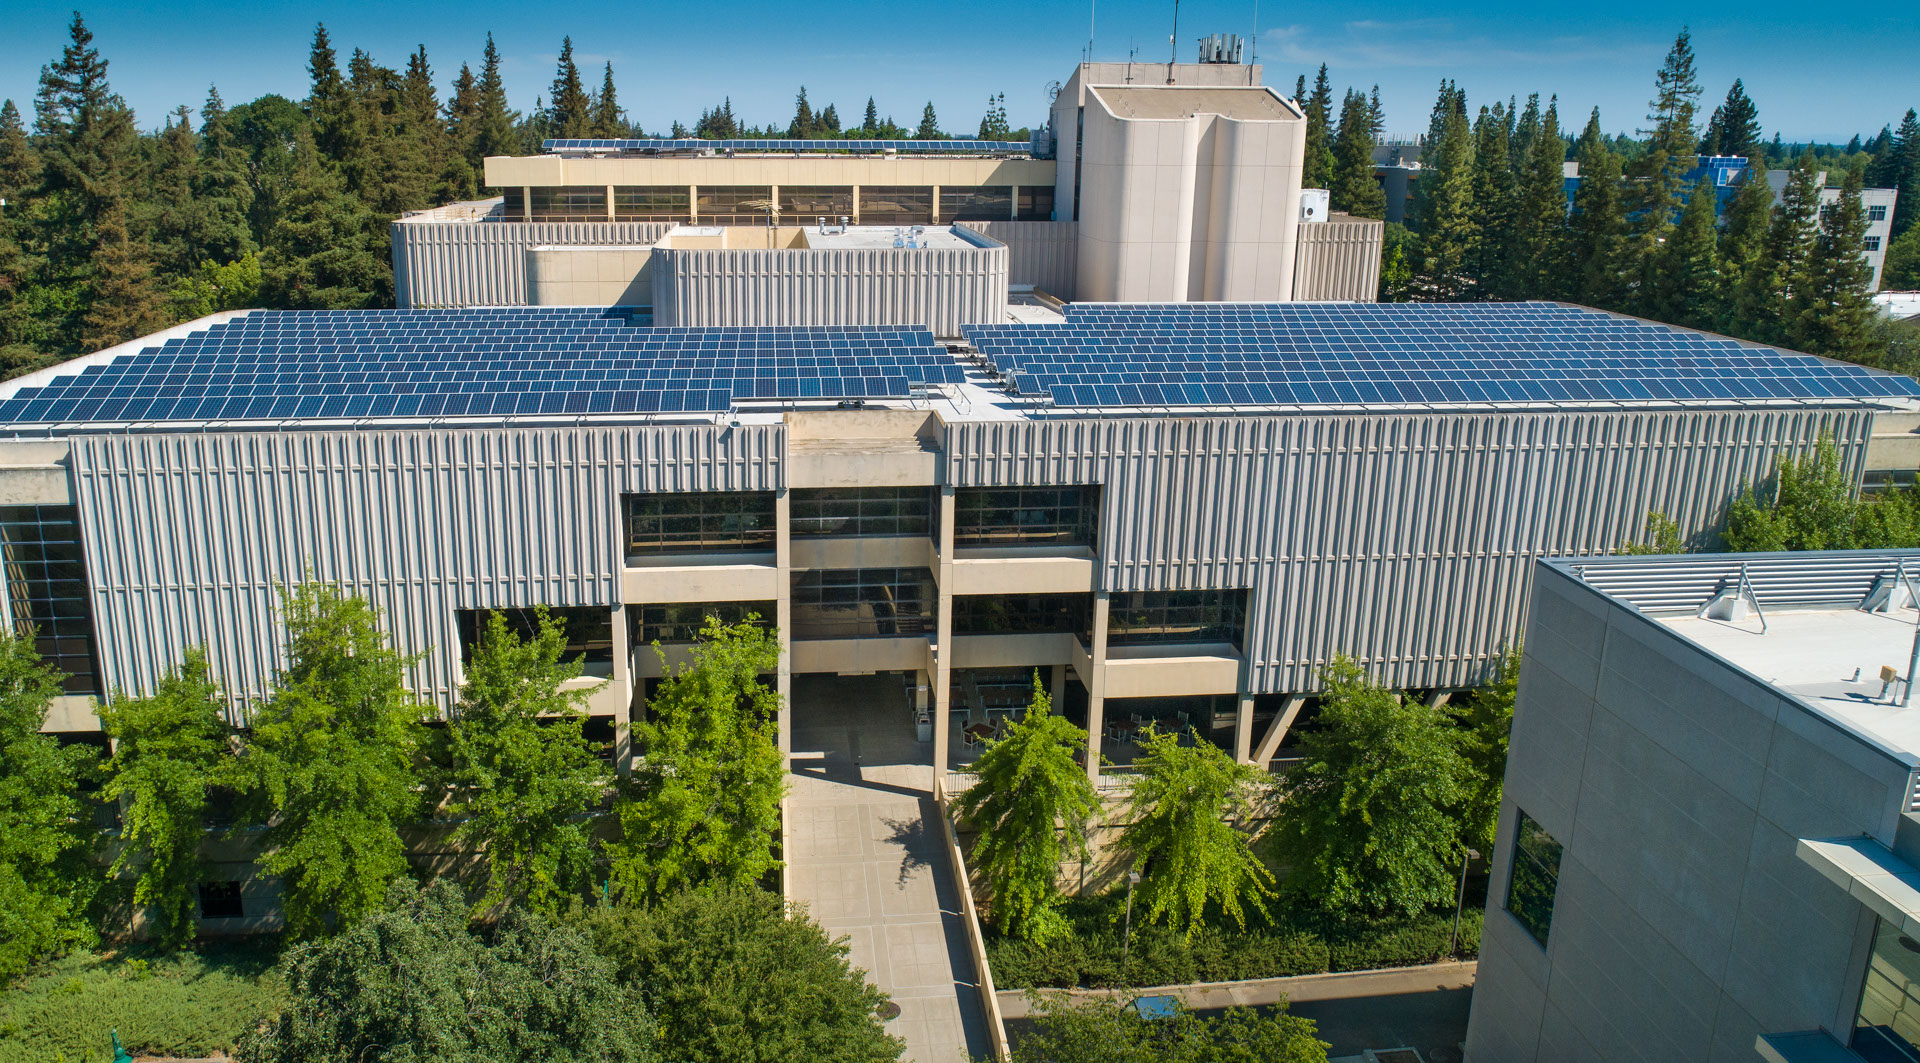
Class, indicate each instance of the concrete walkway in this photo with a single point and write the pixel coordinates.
(1207, 996)
(865, 856)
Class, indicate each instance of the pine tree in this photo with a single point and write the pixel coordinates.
(222, 191)
(1599, 260)
(1903, 173)
(1449, 225)
(123, 303)
(870, 124)
(830, 121)
(1734, 128)
(1449, 101)
(929, 128)
(608, 119)
(1760, 308)
(21, 327)
(1522, 130)
(1317, 167)
(570, 111)
(318, 255)
(1689, 291)
(87, 144)
(1829, 310)
(1376, 114)
(336, 128)
(1743, 236)
(1659, 173)
(1540, 216)
(993, 126)
(804, 123)
(1493, 201)
(167, 207)
(1355, 190)
(494, 121)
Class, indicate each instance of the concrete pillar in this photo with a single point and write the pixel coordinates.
(943, 645)
(526, 203)
(610, 214)
(783, 617)
(693, 204)
(936, 205)
(856, 205)
(622, 681)
(1243, 719)
(1013, 203)
(1059, 687)
(1097, 686)
(1277, 730)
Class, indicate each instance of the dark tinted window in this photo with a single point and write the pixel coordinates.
(843, 511)
(700, 522)
(570, 203)
(1026, 516)
(589, 629)
(671, 622)
(221, 900)
(1177, 616)
(863, 603)
(47, 589)
(1021, 614)
(1535, 878)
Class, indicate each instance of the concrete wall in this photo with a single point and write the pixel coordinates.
(1684, 925)
(1403, 540)
(589, 276)
(941, 288)
(483, 263)
(1339, 259)
(1042, 254)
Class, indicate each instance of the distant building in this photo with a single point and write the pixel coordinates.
(1709, 847)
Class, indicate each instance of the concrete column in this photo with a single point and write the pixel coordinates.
(1013, 203)
(1059, 687)
(610, 203)
(622, 681)
(856, 204)
(936, 204)
(783, 618)
(1243, 720)
(1097, 685)
(526, 203)
(693, 204)
(774, 212)
(943, 644)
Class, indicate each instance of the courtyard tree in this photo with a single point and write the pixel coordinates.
(736, 977)
(330, 765)
(1187, 830)
(1811, 504)
(703, 802)
(170, 749)
(414, 982)
(1031, 807)
(1106, 1030)
(522, 769)
(45, 883)
(1485, 719)
(1366, 818)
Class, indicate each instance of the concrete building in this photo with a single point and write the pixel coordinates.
(1183, 185)
(1708, 845)
(1877, 202)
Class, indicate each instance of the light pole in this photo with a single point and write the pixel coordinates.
(1126, 938)
(1460, 900)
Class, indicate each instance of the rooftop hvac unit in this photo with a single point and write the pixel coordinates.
(1220, 48)
(1315, 204)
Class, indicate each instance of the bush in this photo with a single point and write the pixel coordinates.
(1293, 940)
(190, 1003)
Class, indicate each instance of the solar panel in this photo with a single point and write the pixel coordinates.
(904, 147)
(1240, 354)
(495, 362)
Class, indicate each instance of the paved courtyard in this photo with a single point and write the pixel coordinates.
(866, 856)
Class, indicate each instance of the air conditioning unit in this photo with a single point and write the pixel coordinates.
(1315, 204)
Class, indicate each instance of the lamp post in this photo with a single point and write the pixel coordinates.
(1126, 938)
(1460, 900)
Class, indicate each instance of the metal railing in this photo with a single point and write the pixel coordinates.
(1687, 583)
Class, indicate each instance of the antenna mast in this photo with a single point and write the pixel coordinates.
(1173, 41)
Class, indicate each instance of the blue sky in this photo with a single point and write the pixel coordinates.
(1816, 72)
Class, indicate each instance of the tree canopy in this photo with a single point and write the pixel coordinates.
(1189, 832)
(1107, 1030)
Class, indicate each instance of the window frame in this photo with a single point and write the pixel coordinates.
(49, 593)
(567, 203)
(1520, 850)
(1161, 617)
(702, 523)
(652, 203)
(725, 204)
(1027, 515)
(595, 645)
(1069, 613)
(816, 593)
(864, 512)
(964, 203)
(908, 197)
(652, 620)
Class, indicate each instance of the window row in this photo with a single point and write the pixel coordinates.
(797, 204)
(744, 522)
(863, 603)
(588, 629)
(1150, 617)
(47, 590)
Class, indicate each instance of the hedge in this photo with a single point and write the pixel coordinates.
(1291, 942)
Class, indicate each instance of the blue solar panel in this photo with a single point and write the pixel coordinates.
(1239, 354)
(521, 361)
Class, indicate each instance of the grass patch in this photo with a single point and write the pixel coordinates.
(189, 1003)
(1293, 941)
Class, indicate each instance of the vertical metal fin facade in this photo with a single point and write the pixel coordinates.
(469, 263)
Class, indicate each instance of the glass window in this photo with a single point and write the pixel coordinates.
(651, 203)
(570, 203)
(863, 603)
(986, 203)
(1871, 243)
(1878, 213)
(589, 629)
(516, 205)
(896, 205)
(841, 511)
(47, 587)
(1036, 203)
(1022, 614)
(700, 522)
(1535, 877)
(221, 900)
(679, 622)
(1147, 617)
(804, 204)
(1026, 516)
(1887, 1029)
(734, 204)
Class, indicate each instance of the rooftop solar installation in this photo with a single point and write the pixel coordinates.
(904, 147)
(526, 361)
(1290, 354)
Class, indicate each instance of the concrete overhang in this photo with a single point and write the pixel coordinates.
(1171, 671)
(1872, 873)
(684, 579)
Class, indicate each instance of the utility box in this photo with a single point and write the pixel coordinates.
(1315, 204)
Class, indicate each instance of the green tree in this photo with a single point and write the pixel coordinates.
(1317, 165)
(1760, 306)
(608, 119)
(1485, 719)
(1355, 189)
(1449, 101)
(1663, 537)
(804, 124)
(1688, 263)
(1659, 173)
(1600, 258)
(1734, 128)
(523, 774)
(1743, 237)
(870, 124)
(929, 128)
(494, 121)
(45, 883)
(1182, 832)
(329, 767)
(1533, 269)
(993, 125)
(703, 801)
(1031, 807)
(1366, 818)
(1831, 311)
(216, 286)
(170, 748)
(222, 190)
(1902, 172)
(1901, 270)
(124, 303)
(1449, 223)
(319, 255)
(1400, 248)
(734, 977)
(414, 982)
(1106, 1030)
(1812, 504)
(570, 111)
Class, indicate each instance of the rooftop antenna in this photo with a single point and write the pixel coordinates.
(1172, 38)
(1254, 45)
(1093, 9)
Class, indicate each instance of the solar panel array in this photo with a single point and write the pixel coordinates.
(904, 147)
(524, 361)
(1259, 354)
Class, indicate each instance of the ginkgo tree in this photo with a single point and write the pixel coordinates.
(1188, 830)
